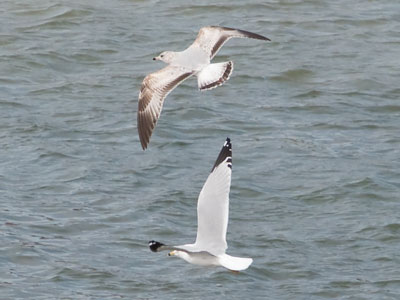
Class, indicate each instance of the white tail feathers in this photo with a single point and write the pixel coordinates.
(235, 263)
(214, 75)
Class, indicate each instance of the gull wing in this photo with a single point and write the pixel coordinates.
(155, 87)
(213, 205)
(212, 38)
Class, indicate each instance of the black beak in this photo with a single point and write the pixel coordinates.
(154, 58)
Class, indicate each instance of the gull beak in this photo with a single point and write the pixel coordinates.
(156, 58)
(172, 253)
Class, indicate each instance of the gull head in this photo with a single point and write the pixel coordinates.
(166, 56)
(155, 246)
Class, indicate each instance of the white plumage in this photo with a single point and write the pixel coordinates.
(212, 221)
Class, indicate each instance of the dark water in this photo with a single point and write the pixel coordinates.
(314, 118)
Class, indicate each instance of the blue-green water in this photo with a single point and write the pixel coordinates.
(314, 117)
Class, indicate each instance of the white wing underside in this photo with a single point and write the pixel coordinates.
(214, 75)
(213, 211)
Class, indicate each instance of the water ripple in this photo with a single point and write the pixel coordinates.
(313, 116)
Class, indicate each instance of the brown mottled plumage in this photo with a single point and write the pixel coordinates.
(195, 60)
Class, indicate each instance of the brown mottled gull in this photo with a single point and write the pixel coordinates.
(195, 60)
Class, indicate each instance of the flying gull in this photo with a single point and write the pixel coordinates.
(212, 221)
(195, 60)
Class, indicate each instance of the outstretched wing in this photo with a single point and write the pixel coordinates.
(213, 205)
(212, 38)
(155, 87)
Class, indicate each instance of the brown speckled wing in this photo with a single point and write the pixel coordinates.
(155, 87)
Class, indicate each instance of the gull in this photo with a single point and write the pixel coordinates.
(212, 221)
(195, 60)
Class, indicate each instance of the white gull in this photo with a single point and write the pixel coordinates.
(195, 60)
(212, 221)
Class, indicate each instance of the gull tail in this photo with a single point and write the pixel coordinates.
(235, 263)
(214, 75)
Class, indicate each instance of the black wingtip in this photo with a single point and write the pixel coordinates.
(253, 35)
(225, 152)
(154, 246)
(227, 144)
(246, 33)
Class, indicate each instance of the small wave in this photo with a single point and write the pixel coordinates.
(392, 94)
(295, 75)
(316, 109)
(55, 154)
(384, 108)
(365, 182)
(196, 9)
(347, 284)
(330, 126)
(6, 39)
(360, 22)
(247, 78)
(309, 94)
(394, 228)
(53, 11)
(48, 24)
(53, 88)
(387, 283)
(81, 272)
(4, 104)
(53, 17)
(85, 58)
(318, 197)
(369, 85)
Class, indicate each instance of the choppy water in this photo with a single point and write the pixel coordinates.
(314, 117)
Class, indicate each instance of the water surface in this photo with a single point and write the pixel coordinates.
(314, 120)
